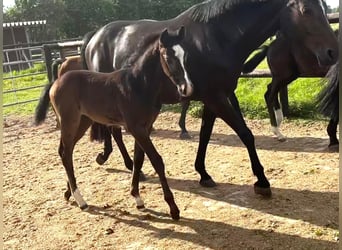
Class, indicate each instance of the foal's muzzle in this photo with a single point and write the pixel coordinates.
(185, 89)
(327, 57)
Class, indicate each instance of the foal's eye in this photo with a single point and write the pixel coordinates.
(306, 11)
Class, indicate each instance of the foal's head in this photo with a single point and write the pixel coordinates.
(172, 60)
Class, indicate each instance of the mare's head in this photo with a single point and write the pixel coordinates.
(172, 60)
(305, 21)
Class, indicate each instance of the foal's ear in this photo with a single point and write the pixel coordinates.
(164, 37)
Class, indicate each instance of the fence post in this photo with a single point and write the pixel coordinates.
(48, 60)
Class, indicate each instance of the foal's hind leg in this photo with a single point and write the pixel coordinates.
(141, 136)
(69, 137)
(184, 133)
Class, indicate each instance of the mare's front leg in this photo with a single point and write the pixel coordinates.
(229, 112)
(141, 136)
(184, 133)
(208, 119)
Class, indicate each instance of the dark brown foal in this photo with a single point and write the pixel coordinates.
(128, 97)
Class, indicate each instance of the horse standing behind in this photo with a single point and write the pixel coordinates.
(328, 104)
(128, 97)
(287, 61)
(221, 34)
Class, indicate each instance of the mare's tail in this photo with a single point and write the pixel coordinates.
(44, 100)
(252, 63)
(86, 40)
(328, 98)
(98, 132)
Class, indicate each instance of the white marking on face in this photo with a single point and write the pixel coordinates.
(179, 53)
(79, 199)
(122, 41)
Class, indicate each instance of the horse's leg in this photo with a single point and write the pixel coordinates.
(208, 119)
(332, 130)
(141, 135)
(184, 133)
(108, 148)
(273, 106)
(117, 135)
(70, 134)
(230, 114)
(138, 162)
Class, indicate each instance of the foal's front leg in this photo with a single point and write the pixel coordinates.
(141, 136)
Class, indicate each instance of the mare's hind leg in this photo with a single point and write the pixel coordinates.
(117, 135)
(208, 119)
(184, 133)
(108, 148)
(141, 135)
(230, 114)
(69, 137)
(332, 130)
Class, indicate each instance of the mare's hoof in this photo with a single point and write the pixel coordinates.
(141, 207)
(208, 183)
(264, 191)
(100, 159)
(67, 195)
(333, 147)
(175, 215)
(84, 207)
(282, 139)
(184, 136)
(142, 176)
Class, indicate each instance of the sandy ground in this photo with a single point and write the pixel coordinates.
(302, 214)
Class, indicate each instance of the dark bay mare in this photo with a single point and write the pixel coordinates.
(287, 60)
(128, 97)
(220, 36)
(328, 104)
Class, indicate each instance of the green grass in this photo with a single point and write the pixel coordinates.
(250, 93)
(19, 96)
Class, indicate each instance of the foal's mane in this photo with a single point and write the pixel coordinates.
(212, 8)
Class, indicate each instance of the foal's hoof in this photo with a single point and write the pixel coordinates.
(282, 139)
(208, 183)
(264, 191)
(100, 159)
(184, 136)
(142, 176)
(67, 195)
(141, 207)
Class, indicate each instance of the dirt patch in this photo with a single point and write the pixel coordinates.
(302, 214)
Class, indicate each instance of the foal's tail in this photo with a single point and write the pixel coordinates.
(44, 100)
(328, 98)
(252, 63)
(86, 40)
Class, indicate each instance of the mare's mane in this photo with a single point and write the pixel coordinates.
(209, 9)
